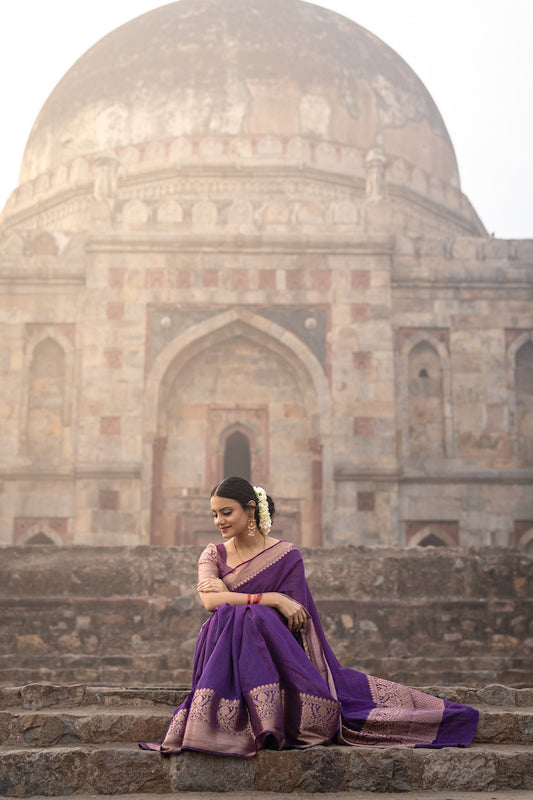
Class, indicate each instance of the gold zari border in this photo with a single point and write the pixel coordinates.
(403, 716)
(224, 725)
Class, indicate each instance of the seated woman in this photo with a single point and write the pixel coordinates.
(264, 674)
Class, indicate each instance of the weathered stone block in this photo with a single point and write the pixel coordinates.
(203, 772)
(376, 770)
(50, 772)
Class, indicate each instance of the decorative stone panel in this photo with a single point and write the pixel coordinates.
(308, 323)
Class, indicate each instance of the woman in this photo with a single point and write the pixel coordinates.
(264, 674)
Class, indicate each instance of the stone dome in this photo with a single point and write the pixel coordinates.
(237, 70)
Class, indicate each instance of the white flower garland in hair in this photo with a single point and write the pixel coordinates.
(265, 523)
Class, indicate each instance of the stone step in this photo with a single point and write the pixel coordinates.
(505, 794)
(90, 725)
(124, 769)
(116, 674)
(144, 668)
(120, 674)
(106, 724)
(44, 715)
(67, 770)
(104, 615)
(63, 740)
(35, 696)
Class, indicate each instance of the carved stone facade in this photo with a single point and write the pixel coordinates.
(257, 259)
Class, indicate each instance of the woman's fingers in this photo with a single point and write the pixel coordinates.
(298, 620)
(211, 584)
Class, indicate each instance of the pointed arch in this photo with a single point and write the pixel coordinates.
(424, 382)
(524, 369)
(226, 325)
(524, 401)
(40, 533)
(236, 455)
(50, 351)
(187, 355)
(425, 400)
(525, 541)
(520, 396)
(46, 401)
(250, 421)
(433, 535)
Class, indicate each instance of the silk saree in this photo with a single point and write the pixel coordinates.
(255, 684)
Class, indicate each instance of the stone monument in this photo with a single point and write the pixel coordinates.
(239, 244)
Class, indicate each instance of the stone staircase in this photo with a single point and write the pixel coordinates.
(116, 616)
(62, 740)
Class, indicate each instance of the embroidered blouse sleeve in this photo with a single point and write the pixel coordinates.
(208, 563)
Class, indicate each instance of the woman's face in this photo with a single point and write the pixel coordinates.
(230, 517)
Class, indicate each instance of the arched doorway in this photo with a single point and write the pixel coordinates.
(237, 459)
(230, 396)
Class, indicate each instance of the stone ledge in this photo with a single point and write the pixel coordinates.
(39, 695)
(24, 728)
(125, 769)
(106, 615)
(507, 794)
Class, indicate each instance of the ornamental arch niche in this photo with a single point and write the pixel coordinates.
(40, 534)
(524, 402)
(520, 395)
(425, 404)
(44, 429)
(47, 396)
(525, 541)
(235, 374)
(432, 534)
(237, 456)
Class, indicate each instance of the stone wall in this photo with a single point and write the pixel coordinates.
(130, 616)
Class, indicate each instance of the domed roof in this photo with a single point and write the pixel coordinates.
(241, 68)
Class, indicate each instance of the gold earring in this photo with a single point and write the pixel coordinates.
(251, 526)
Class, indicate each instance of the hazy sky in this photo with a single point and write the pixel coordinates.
(474, 56)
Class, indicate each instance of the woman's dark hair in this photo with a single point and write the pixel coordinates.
(243, 492)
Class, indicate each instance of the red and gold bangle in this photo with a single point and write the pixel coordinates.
(249, 599)
(257, 598)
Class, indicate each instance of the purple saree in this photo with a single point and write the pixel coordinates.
(255, 684)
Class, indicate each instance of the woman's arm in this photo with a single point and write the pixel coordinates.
(213, 593)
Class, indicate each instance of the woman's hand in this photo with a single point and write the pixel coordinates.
(295, 614)
(212, 584)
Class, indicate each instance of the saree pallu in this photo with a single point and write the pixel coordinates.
(255, 684)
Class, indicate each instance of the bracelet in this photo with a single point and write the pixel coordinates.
(249, 599)
(257, 598)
